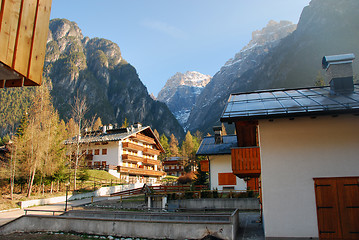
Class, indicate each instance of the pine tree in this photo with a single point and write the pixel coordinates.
(97, 124)
(173, 146)
(166, 147)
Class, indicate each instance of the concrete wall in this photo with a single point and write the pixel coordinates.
(293, 152)
(223, 164)
(218, 203)
(104, 191)
(125, 228)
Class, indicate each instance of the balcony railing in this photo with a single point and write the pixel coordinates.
(144, 138)
(151, 151)
(140, 171)
(132, 158)
(152, 161)
(246, 162)
(132, 146)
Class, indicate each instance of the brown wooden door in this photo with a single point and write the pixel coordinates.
(337, 207)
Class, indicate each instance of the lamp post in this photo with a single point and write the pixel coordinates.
(67, 192)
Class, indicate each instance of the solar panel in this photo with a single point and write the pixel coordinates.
(265, 104)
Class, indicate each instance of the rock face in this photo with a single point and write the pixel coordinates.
(214, 95)
(326, 27)
(181, 91)
(95, 69)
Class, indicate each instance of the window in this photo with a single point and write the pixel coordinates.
(89, 152)
(104, 151)
(97, 151)
(227, 179)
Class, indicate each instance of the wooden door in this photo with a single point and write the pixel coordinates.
(337, 207)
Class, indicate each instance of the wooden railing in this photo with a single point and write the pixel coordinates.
(152, 161)
(132, 146)
(246, 162)
(133, 158)
(140, 171)
(151, 151)
(144, 138)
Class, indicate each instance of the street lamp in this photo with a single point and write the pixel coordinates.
(67, 192)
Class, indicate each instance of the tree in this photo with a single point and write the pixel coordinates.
(166, 147)
(38, 140)
(201, 178)
(79, 109)
(319, 82)
(173, 146)
(97, 124)
(125, 123)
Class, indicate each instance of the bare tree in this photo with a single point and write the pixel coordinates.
(79, 109)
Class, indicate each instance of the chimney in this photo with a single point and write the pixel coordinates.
(137, 125)
(339, 72)
(110, 127)
(218, 134)
(104, 129)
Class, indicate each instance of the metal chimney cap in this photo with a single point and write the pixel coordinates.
(337, 59)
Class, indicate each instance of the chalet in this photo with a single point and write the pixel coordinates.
(23, 34)
(217, 149)
(128, 153)
(308, 140)
(174, 166)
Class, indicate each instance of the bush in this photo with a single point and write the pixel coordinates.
(185, 179)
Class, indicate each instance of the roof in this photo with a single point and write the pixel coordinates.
(289, 103)
(208, 146)
(114, 135)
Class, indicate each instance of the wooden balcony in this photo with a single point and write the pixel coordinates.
(132, 146)
(140, 171)
(24, 27)
(246, 162)
(152, 161)
(144, 138)
(151, 151)
(132, 158)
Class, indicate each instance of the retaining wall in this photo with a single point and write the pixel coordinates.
(154, 228)
(104, 191)
(216, 203)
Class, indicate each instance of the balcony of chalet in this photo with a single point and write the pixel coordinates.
(151, 151)
(151, 161)
(144, 138)
(139, 171)
(246, 162)
(132, 158)
(132, 146)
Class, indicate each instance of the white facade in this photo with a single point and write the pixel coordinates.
(223, 164)
(113, 155)
(293, 152)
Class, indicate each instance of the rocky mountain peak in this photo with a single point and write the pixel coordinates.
(181, 91)
(60, 28)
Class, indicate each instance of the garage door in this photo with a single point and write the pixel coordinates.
(337, 207)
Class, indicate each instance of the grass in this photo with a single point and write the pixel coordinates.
(102, 174)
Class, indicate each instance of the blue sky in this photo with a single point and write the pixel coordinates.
(162, 37)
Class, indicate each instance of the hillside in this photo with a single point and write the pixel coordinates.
(326, 27)
(95, 69)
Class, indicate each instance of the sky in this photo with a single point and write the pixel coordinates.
(162, 37)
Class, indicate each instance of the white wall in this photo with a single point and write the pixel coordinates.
(293, 152)
(112, 156)
(223, 164)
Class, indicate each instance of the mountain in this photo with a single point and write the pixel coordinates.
(326, 27)
(210, 102)
(181, 91)
(95, 69)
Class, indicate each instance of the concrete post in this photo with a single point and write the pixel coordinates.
(149, 202)
(164, 202)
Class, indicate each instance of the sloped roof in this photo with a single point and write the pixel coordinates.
(289, 103)
(114, 135)
(208, 146)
